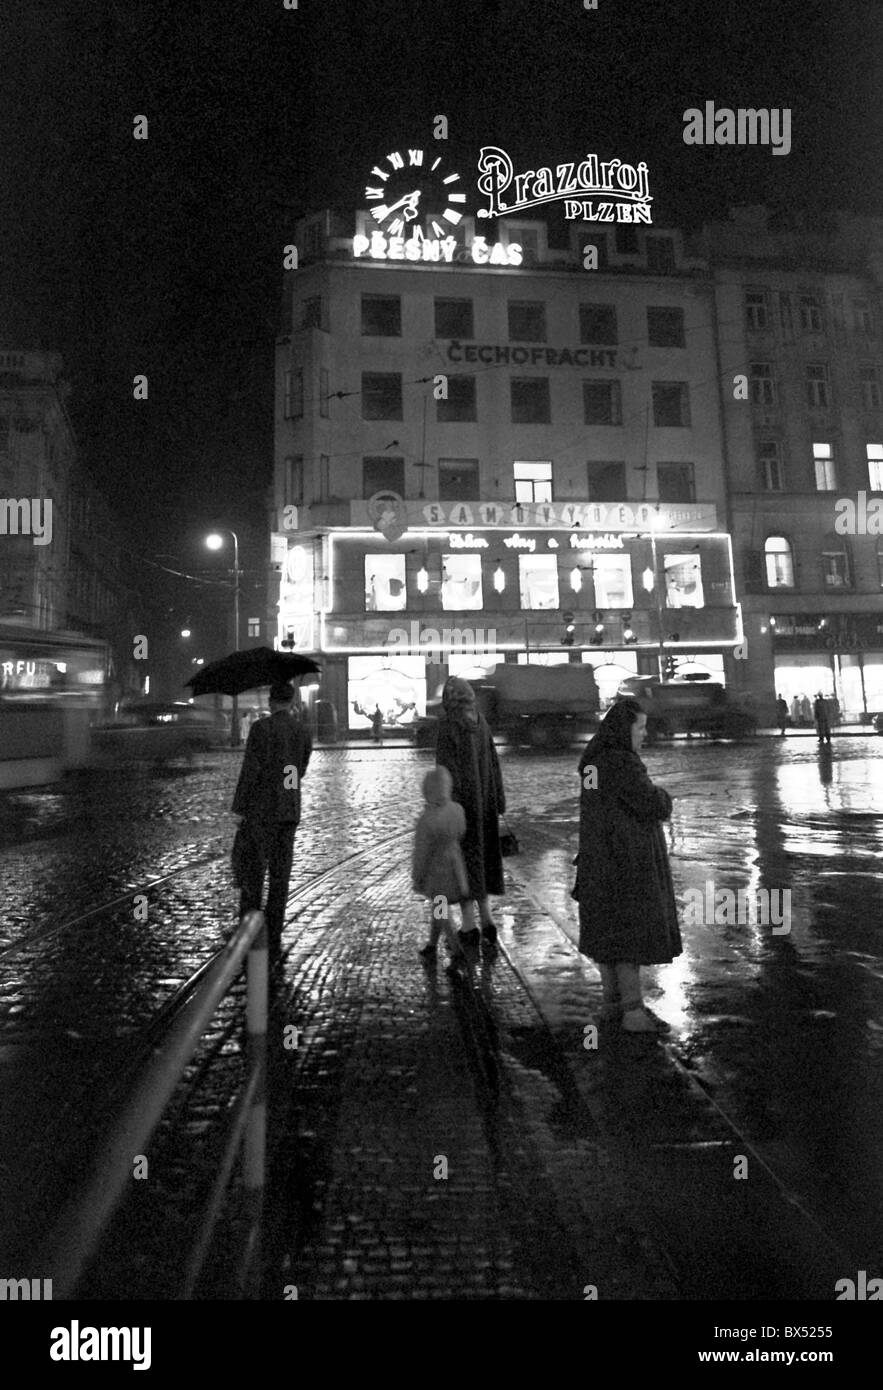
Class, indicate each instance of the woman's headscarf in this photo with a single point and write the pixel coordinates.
(458, 701)
(614, 731)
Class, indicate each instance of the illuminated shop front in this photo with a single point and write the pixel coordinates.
(838, 655)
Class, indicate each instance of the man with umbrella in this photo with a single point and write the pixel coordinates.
(268, 800)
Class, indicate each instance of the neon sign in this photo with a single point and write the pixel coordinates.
(377, 247)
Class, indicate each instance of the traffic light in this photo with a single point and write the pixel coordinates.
(669, 668)
(569, 629)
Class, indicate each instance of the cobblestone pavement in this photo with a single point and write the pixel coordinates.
(566, 1166)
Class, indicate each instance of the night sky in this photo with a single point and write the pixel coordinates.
(164, 256)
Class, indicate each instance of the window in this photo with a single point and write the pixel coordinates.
(817, 385)
(325, 478)
(606, 482)
(293, 407)
(533, 480)
(660, 254)
(811, 313)
(538, 581)
(779, 563)
(626, 240)
(671, 403)
(383, 474)
(823, 464)
(613, 581)
(530, 400)
(311, 316)
(528, 238)
(453, 318)
(864, 319)
(676, 482)
(756, 314)
(683, 581)
(762, 383)
(602, 402)
(527, 321)
(599, 241)
(870, 388)
(4, 434)
(458, 480)
(460, 404)
(385, 590)
(381, 316)
(875, 466)
(665, 328)
(382, 396)
(293, 481)
(597, 323)
(835, 563)
(323, 392)
(770, 465)
(461, 582)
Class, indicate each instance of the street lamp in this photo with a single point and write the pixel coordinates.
(214, 542)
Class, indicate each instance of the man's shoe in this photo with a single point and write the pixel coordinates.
(489, 931)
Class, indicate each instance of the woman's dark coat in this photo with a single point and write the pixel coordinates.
(468, 752)
(627, 909)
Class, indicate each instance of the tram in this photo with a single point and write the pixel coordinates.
(53, 687)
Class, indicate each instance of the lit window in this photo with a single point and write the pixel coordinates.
(613, 581)
(538, 581)
(779, 563)
(683, 581)
(533, 481)
(384, 583)
(823, 463)
(461, 582)
(875, 466)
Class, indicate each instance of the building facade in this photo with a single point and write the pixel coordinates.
(798, 321)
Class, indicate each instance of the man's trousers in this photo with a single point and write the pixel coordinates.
(266, 848)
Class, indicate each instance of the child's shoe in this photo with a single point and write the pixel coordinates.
(489, 931)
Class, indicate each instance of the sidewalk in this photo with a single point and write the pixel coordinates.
(459, 1141)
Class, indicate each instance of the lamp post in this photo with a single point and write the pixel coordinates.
(214, 542)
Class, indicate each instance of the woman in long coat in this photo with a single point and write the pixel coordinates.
(465, 747)
(627, 911)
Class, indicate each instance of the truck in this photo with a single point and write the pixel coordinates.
(699, 706)
(543, 706)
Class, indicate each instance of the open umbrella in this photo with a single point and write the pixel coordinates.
(246, 670)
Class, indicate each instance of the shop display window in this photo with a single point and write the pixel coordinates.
(613, 581)
(385, 590)
(683, 582)
(461, 582)
(538, 581)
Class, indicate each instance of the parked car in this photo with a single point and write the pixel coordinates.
(688, 707)
(152, 731)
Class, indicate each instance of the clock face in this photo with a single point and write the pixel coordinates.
(406, 187)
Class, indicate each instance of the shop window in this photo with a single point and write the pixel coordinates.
(665, 328)
(875, 466)
(671, 404)
(824, 467)
(836, 568)
(660, 254)
(461, 582)
(779, 563)
(683, 581)
(293, 405)
(385, 583)
(538, 581)
(458, 480)
(533, 480)
(461, 402)
(381, 316)
(817, 392)
(756, 310)
(453, 318)
(762, 383)
(381, 473)
(676, 482)
(602, 402)
(811, 313)
(527, 321)
(530, 400)
(382, 396)
(396, 687)
(597, 323)
(870, 387)
(613, 581)
(770, 465)
(606, 481)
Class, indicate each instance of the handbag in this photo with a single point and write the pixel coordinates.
(508, 841)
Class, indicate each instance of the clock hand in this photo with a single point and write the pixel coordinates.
(408, 202)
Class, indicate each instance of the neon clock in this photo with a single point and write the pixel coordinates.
(414, 182)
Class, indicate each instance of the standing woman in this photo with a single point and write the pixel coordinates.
(465, 747)
(627, 911)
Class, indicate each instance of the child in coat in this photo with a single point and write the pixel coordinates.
(438, 869)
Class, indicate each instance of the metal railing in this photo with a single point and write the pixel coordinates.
(77, 1236)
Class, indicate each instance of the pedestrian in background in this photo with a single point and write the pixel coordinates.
(805, 710)
(795, 711)
(823, 724)
(781, 714)
(268, 799)
(377, 725)
(627, 910)
(465, 747)
(438, 871)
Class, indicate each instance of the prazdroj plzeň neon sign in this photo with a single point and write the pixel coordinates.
(613, 191)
